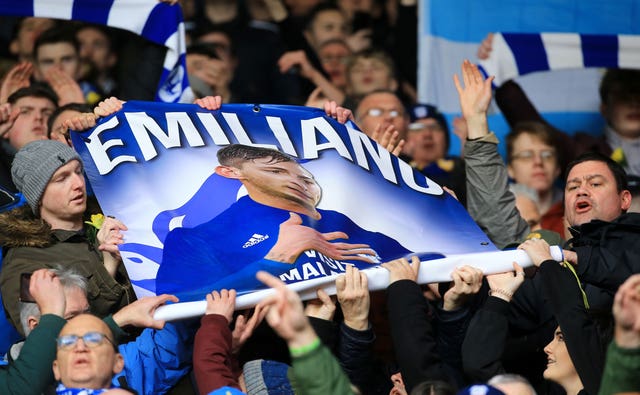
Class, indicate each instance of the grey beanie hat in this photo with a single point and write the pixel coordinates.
(34, 165)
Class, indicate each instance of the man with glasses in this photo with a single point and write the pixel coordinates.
(379, 111)
(32, 370)
(87, 357)
(154, 361)
(427, 146)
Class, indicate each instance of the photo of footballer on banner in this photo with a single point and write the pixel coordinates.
(211, 197)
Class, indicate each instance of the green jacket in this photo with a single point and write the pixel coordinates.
(32, 372)
(318, 373)
(69, 249)
(621, 370)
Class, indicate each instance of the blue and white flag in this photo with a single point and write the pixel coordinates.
(515, 54)
(158, 22)
(451, 31)
(193, 229)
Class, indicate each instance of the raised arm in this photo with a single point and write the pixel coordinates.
(489, 200)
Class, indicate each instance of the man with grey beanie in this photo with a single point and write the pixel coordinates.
(51, 230)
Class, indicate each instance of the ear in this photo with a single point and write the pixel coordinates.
(510, 171)
(112, 59)
(118, 364)
(308, 37)
(13, 47)
(625, 198)
(32, 322)
(604, 109)
(228, 172)
(393, 84)
(56, 370)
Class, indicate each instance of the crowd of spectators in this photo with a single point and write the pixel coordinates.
(73, 322)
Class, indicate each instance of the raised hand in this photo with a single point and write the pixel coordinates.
(18, 77)
(537, 249)
(8, 116)
(389, 139)
(400, 269)
(504, 285)
(297, 59)
(341, 114)
(109, 238)
(286, 314)
(140, 313)
(467, 281)
(323, 307)
(64, 86)
(244, 327)
(354, 298)
(79, 123)
(46, 290)
(485, 48)
(211, 103)
(222, 303)
(476, 94)
(295, 238)
(626, 311)
(108, 106)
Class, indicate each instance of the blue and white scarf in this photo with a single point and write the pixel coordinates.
(62, 390)
(158, 22)
(515, 54)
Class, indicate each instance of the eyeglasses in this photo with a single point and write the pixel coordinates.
(528, 155)
(377, 112)
(90, 339)
(419, 127)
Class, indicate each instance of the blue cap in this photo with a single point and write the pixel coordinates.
(480, 389)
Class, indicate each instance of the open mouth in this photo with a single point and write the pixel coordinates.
(633, 116)
(582, 206)
(81, 362)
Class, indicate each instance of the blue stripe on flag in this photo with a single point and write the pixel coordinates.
(158, 21)
(19, 8)
(92, 12)
(528, 51)
(599, 50)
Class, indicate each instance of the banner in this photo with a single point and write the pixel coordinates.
(451, 31)
(197, 223)
(156, 21)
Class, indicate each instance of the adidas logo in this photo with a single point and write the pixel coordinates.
(255, 239)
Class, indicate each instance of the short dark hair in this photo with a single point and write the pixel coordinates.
(206, 49)
(534, 128)
(34, 90)
(109, 33)
(619, 83)
(319, 8)
(373, 53)
(618, 171)
(55, 35)
(80, 107)
(433, 387)
(235, 154)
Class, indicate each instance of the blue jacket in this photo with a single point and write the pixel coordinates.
(227, 251)
(157, 359)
